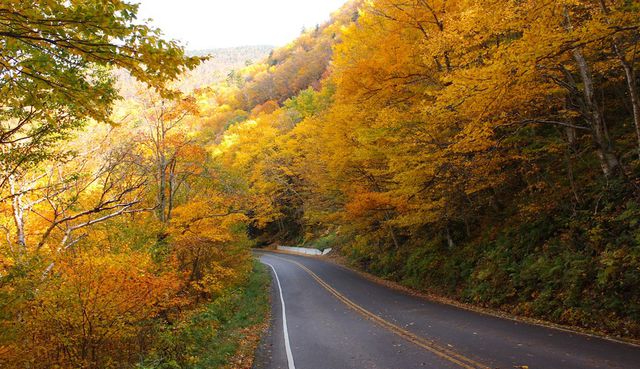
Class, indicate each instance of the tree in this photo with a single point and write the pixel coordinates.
(93, 311)
(51, 207)
(89, 277)
(54, 69)
(170, 153)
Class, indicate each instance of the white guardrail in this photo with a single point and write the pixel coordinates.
(304, 251)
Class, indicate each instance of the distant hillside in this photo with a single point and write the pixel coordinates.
(222, 62)
(301, 64)
(280, 75)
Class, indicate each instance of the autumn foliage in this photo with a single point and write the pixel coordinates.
(115, 222)
(486, 150)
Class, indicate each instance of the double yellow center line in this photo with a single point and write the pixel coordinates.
(427, 344)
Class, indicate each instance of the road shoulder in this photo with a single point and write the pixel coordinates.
(270, 344)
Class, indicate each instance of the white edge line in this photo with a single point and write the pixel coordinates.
(287, 346)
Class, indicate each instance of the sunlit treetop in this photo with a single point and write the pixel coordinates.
(53, 48)
(55, 63)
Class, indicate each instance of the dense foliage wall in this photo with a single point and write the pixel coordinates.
(483, 150)
(116, 223)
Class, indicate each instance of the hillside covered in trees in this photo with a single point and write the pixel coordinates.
(123, 243)
(486, 151)
(220, 63)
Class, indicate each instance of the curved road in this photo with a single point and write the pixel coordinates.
(335, 319)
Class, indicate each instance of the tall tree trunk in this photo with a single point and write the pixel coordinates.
(450, 241)
(172, 188)
(392, 232)
(18, 213)
(604, 149)
(162, 189)
(572, 137)
(630, 75)
(608, 161)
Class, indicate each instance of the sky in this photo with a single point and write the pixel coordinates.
(206, 24)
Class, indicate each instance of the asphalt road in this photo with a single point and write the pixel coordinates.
(335, 319)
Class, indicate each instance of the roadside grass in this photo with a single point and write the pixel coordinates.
(224, 334)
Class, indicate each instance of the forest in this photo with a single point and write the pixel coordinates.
(483, 151)
(120, 233)
(486, 151)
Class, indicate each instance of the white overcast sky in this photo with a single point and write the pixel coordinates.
(204, 24)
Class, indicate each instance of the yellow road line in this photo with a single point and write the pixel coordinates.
(427, 344)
